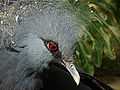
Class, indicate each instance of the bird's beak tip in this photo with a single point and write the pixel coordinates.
(72, 70)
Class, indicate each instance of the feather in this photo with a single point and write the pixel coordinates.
(51, 20)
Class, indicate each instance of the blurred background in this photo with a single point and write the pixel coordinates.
(97, 51)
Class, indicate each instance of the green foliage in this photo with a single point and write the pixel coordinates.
(102, 25)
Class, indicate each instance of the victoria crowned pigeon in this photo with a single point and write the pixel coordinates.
(42, 57)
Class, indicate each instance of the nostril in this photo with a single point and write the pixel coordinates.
(71, 66)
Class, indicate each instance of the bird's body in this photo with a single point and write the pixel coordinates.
(44, 39)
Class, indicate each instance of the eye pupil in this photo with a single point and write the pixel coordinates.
(52, 46)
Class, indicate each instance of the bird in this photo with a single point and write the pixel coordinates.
(42, 57)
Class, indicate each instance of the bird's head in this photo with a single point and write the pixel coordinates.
(48, 35)
(37, 53)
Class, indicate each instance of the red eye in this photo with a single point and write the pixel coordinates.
(52, 46)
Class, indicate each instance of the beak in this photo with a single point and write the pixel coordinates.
(72, 70)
